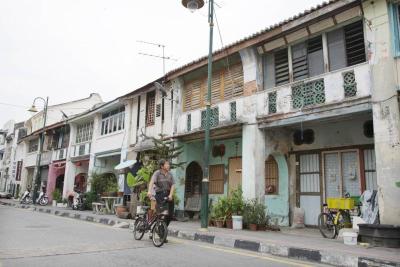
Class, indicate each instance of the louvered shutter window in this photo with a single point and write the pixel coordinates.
(150, 105)
(315, 56)
(281, 67)
(217, 173)
(299, 61)
(355, 48)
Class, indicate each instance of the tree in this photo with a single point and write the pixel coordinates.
(163, 149)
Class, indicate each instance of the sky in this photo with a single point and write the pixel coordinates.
(67, 49)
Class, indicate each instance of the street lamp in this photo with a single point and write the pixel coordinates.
(36, 180)
(193, 5)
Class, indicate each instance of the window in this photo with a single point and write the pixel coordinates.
(138, 114)
(281, 67)
(225, 84)
(84, 133)
(158, 110)
(307, 59)
(113, 121)
(33, 145)
(150, 105)
(346, 46)
(394, 15)
(216, 176)
(271, 176)
(214, 117)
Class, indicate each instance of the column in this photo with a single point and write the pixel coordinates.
(253, 156)
(385, 111)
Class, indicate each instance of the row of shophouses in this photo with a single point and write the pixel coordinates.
(301, 111)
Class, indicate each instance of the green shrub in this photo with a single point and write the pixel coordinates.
(90, 197)
(237, 201)
(57, 195)
(101, 182)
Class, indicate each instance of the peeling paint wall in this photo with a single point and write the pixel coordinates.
(385, 109)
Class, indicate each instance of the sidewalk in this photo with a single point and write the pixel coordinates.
(305, 244)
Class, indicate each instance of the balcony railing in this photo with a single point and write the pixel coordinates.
(328, 88)
(80, 150)
(59, 154)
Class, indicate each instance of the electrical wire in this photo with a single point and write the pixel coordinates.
(222, 45)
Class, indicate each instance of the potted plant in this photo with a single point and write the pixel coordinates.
(262, 218)
(56, 194)
(218, 213)
(237, 205)
(112, 188)
(250, 215)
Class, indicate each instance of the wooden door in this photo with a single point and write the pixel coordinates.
(235, 173)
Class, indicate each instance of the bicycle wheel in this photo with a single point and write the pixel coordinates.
(160, 232)
(139, 228)
(326, 225)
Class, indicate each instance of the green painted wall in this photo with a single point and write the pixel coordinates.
(194, 152)
(278, 205)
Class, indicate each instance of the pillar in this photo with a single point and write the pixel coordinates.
(385, 111)
(253, 156)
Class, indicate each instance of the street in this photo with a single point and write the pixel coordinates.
(32, 239)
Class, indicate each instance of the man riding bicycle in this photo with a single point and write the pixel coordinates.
(164, 185)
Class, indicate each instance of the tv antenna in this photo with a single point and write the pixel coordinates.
(163, 57)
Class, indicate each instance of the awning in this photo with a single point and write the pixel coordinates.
(125, 164)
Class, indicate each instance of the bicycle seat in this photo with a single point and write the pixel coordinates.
(324, 205)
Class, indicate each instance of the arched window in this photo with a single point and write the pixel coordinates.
(271, 176)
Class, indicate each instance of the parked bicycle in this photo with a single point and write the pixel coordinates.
(337, 214)
(156, 224)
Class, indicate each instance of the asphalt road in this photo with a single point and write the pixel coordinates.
(34, 239)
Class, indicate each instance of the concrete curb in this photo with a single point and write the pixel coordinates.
(316, 256)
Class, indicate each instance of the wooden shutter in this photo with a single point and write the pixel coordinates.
(192, 95)
(216, 176)
(150, 106)
(271, 176)
(315, 56)
(281, 67)
(355, 47)
(299, 61)
(336, 49)
(233, 80)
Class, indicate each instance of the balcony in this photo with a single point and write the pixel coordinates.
(347, 87)
(225, 113)
(329, 89)
(59, 154)
(81, 150)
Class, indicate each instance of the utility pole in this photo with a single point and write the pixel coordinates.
(37, 177)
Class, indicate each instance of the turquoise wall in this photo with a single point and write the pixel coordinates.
(278, 205)
(194, 152)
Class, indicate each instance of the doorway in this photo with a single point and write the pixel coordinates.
(341, 173)
(194, 175)
(60, 183)
(234, 173)
(309, 197)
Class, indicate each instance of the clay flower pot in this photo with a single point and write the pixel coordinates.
(229, 223)
(253, 227)
(219, 223)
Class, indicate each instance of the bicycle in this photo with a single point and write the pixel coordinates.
(156, 224)
(336, 215)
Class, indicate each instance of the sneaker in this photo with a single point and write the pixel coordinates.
(166, 241)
